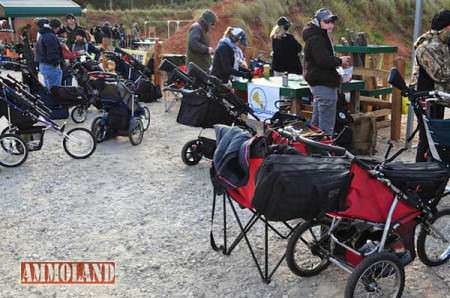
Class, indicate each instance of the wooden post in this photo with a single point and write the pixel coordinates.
(396, 112)
(157, 63)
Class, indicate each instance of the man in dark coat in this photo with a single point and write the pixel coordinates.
(49, 54)
(198, 50)
(71, 28)
(320, 68)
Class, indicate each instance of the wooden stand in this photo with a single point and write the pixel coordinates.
(378, 96)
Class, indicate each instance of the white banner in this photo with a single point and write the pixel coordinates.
(262, 98)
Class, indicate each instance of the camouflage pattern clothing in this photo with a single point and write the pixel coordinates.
(433, 54)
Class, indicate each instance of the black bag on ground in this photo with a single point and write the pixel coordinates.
(426, 179)
(147, 92)
(296, 186)
(200, 111)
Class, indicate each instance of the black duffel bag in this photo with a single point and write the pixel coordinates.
(197, 110)
(426, 179)
(147, 92)
(296, 186)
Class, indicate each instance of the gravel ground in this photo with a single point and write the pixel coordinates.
(144, 209)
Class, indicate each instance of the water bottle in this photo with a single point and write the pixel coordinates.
(285, 79)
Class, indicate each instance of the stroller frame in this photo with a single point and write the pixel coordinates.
(99, 126)
(36, 110)
(415, 214)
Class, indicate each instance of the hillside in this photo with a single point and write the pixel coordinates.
(385, 21)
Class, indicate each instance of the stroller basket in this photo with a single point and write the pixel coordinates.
(198, 110)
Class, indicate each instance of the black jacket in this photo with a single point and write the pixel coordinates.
(71, 33)
(285, 54)
(223, 63)
(320, 62)
(48, 48)
(231, 157)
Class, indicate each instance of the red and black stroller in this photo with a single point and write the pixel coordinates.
(360, 215)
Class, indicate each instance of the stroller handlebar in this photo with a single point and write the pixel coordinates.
(295, 134)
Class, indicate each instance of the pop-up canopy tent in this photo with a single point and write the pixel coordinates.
(35, 8)
(18, 12)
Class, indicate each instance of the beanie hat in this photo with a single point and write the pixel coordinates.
(283, 21)
(209, 17)
(441, 20)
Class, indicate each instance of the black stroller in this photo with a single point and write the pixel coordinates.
(121, 115)
(22, 135)
(137, 75)
(209, 104)
(60, 98)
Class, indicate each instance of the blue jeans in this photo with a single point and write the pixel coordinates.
(52, 74)
(324, 108)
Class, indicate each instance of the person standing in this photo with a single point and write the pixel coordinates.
(83, 47)
(320, 68)
(228, 58)
(71, 28)
(285, 48)
(432, 68)
(49, 54)
(198, 50)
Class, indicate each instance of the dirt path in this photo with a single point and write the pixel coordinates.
(144, 209)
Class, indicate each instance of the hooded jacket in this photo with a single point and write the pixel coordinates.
(433, 63)
(48, 48)
(223, 63)
(198, 44)
(231, 157)
(320, 61)
(285, 54)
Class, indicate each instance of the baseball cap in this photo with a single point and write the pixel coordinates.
(324, 14)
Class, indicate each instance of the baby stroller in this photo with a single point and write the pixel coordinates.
(22, 135)
(59, 99)
(121, 115)
(211, 103)
(369, 231)
(137, 75)
(177, 79)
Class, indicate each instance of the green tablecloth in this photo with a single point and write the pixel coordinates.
(295, 88)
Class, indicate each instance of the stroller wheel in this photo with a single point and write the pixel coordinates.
(78, 114)
(433, 242)
(145, 118)
(378, 275)
(79, 143)
(99, 129)
(136, 133)
(307, 249)
(191, 153)
(14, 151)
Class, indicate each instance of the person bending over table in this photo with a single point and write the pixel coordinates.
(228, 58)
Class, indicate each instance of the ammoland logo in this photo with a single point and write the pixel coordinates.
(62, 272)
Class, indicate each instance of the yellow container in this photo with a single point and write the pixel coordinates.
(405, 105)
(266, 71)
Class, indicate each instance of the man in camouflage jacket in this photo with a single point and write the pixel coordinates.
(432, 68)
